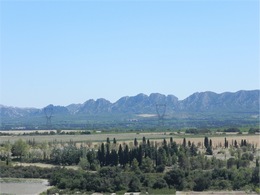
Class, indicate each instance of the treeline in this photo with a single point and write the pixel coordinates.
(202, 131)
(51, 132)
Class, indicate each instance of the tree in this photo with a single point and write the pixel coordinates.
(101, 155)
(206, 142)
(160, 183)
(108, 141)
(183, 161)
(235, 143)
(90, 155)
(114, 141)
(209, 151)
(184, 142)
(140, 154)
(134, 184)
(171, 140)
(120, 155)
(135, 168)
(226, 143)
(114, 158)
(202, 181)
(147, 165)
(84, 164)
(20, 148)
(175, 178)
(126, 155)
(161, 157)
(144, 141)
(193, 150)
(135, 142)
(256, 176)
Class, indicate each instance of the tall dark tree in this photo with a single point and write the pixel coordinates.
(120, 155)
(108, 140)
(114, 158)
(140, 154)
(193, 150)
(126, 155)
(114, 141)
(235, 143)
(148, 143)
(144, 141)
(184, 142)
(171, 140)
(161, 157)
(189, 143)
(206, 142)
(174, 148)
(226, 143)
(165, 147)
(108, 157)
(135, 142)
(102, 155)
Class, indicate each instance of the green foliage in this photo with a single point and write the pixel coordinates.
(84, 164)
(20, 148)
(160, 183)
(134, 184)
(175, 178)
(146, 166)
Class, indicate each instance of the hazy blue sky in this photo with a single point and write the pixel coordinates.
(64, 52)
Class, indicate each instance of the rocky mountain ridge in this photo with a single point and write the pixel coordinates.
(240, 101)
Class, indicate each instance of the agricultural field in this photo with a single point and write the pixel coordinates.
(94, 139)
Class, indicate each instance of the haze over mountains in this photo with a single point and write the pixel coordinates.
(204, 102)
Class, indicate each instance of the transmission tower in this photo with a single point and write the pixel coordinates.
(48, 111)
(160, 109)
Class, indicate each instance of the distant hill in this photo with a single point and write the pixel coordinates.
(239, 102)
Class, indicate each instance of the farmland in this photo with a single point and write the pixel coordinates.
(217, 139)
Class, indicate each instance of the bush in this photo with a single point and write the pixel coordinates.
(160, 168)
(160, 183)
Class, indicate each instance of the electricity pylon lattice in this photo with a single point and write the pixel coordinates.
(48, 111)
(160, 109)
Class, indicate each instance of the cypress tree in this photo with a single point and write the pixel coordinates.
(120, 155)
(235, 142)
(108, 159)
(102, 155)
(144, 140)
(184, 142)
(126, 155)
(135, 142)
(114, 141)
(140, 155)
(148, 143)
(171, 140)
(226, 143)
(206, 142)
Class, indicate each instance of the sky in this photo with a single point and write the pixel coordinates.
(62, 52)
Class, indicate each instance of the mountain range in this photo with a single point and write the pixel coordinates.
(204, 102)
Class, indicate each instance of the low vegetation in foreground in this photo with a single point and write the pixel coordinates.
(139, 166)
